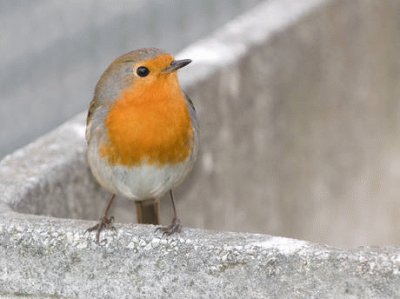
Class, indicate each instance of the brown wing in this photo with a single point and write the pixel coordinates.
(94, 104)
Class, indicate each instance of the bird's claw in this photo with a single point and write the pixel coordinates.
(174, 227)
(104, 223)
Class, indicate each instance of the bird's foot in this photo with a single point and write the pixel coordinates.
(104, 223)
(174, 227)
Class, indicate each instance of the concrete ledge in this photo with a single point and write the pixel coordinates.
(47, 257)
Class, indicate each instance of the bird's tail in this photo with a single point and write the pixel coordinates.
(148, 211)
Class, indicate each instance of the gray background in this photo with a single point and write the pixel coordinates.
(53, 52)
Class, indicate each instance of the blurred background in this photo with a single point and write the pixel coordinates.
(53, 52)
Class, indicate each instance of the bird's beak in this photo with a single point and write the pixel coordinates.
(176, 64)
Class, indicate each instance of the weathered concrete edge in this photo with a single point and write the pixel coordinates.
(228, 44)
(51, 252)
(27, 171)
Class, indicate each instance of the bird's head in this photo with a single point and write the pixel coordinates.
(144, 70)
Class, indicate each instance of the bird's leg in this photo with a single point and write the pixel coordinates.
(175, 226)
(104, 222)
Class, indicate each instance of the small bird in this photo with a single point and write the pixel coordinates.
(142, 131)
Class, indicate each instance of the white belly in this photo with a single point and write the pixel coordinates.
(137, 182)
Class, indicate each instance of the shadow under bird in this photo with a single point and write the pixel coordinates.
(142, 133)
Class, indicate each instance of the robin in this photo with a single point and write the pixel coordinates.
(142, 130)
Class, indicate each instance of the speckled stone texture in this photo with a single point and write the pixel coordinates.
(46, 257)
(299, 111)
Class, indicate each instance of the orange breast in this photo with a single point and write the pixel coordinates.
(149, 123)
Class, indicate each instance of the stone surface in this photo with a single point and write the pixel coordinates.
(300, 123)
(53, 258)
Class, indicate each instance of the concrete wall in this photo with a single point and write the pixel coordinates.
(300, 135)
(299, 111)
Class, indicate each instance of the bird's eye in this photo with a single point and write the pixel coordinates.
(142, 71)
